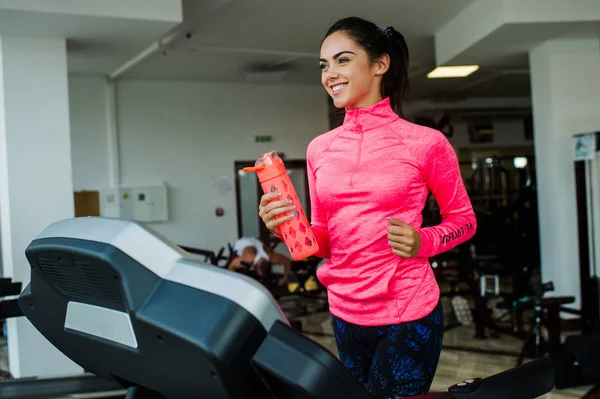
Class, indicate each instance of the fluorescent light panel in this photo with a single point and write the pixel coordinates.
(459, 71)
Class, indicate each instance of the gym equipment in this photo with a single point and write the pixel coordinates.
(546, 312)
(503, 193)
(82, 386)
(578, 362)
(490, 181)
(492, 264)
(8, 288)
(211, 257)
(586, 186)
(8, 308)
(134, 309)
(506, 244)
(296, 233)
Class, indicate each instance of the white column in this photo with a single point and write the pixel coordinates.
(36, 185)
(565, 84)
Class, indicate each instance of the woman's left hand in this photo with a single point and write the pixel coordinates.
(404, 240)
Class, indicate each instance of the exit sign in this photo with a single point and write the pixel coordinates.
(263, 139)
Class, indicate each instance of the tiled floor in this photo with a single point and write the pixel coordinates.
(454, 365)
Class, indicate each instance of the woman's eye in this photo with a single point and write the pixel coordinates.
(322, 66)
(342, 60)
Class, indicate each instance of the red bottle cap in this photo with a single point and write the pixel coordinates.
(268, 166)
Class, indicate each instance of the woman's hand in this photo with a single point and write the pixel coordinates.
(268, 211)
(404, 240)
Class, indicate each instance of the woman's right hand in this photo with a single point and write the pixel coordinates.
(268, 211)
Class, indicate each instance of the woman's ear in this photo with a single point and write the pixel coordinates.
(382, 65)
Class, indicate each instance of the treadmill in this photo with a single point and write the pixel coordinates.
(140, 313)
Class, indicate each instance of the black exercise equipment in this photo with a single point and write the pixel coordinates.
(212, 257)
(61, 387)
(8, 308)
(578, 362)
(135, 309)
(504, 198)
(9, 288)
(473, 268)
(506, 244)
(546, 313)
(588, 274)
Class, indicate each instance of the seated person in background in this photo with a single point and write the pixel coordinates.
(253, 254)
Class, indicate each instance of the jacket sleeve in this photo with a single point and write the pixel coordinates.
(442, 175)
(318, 215)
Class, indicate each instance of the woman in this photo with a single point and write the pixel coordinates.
(369, 180)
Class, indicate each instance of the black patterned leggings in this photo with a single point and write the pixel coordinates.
(392, 361)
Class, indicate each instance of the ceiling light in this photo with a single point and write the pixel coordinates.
(459, 71)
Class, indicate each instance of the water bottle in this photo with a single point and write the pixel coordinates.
(296, 233)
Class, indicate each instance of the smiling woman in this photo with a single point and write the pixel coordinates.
(368, 182)
(362, 64)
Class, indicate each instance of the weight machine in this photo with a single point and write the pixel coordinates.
(587, 175)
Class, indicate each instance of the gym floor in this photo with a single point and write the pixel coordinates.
(455, 365)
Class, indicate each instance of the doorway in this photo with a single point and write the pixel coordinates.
(87, 203)
(248, 192)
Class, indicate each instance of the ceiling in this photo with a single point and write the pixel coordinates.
(509, 45)
(222, 40)
(97, 43)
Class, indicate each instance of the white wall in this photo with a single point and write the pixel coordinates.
(35, 177)
(89, 146)
(187, 134)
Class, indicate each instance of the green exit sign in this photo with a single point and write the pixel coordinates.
(263, 139)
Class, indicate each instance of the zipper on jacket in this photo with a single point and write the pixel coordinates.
(360, 139)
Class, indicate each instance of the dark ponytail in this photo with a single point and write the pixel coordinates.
(377, 42)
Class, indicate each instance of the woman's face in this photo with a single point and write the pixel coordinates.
(350, 78)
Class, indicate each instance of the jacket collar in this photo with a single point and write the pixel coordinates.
(371, 117)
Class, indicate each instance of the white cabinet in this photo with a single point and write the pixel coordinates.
(143, 204)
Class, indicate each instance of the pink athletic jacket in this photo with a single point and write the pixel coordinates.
(375, 166)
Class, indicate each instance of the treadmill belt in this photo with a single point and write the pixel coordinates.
(52, 388)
